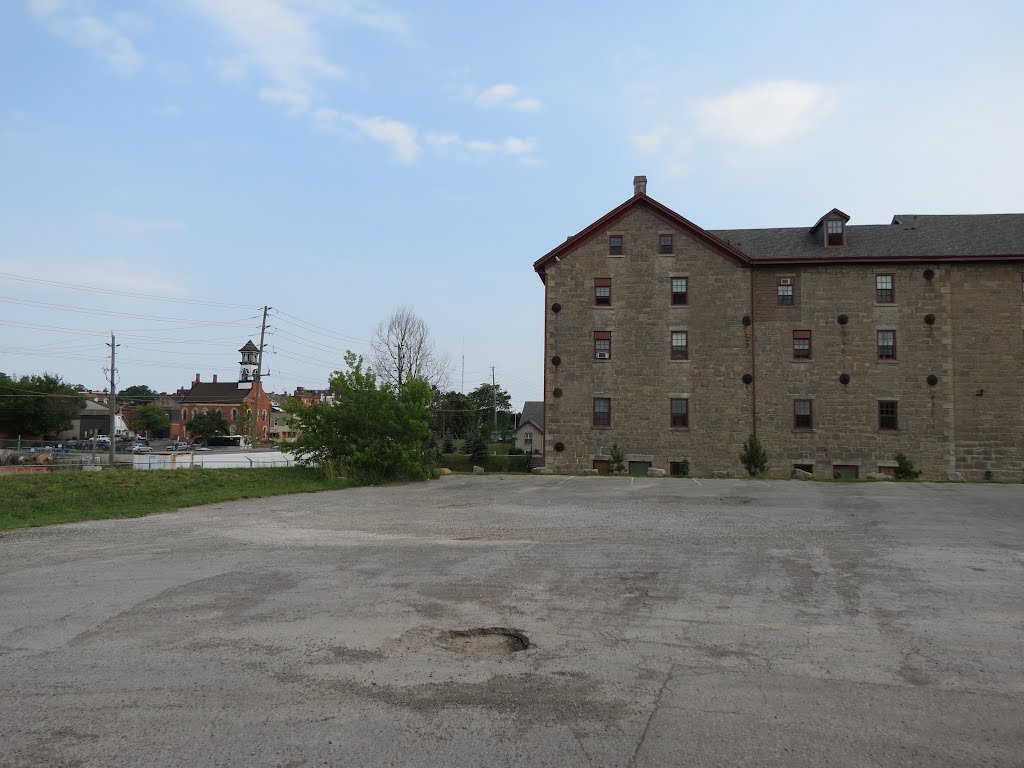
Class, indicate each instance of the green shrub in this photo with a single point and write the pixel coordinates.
(989, 476)
(905, 468)
(754, 457)
(618, 460)
(682, 468)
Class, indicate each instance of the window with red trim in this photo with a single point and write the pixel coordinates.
(602, 291)
(834, 232)
(679, 412)
(885, 289)
(803, 414)
(602, 345)
(602, 412)
(679, 291)
(888, 415)
(784, 289)
(680, 348)
(887, 345)
(615, 245)
(801, 345)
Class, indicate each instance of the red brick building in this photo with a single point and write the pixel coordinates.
(233, 399)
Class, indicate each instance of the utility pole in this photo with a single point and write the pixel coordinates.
(113, 404)
(256, 383)
(494, 395)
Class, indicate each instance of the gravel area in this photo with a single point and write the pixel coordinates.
(525, 621)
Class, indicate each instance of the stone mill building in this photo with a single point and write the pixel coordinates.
(838, 345)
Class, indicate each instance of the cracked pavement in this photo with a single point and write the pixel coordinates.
(671, 622)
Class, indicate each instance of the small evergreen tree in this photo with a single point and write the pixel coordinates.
(476, 447)
(905, 468)
(618, 461)
(448, 446)
(754, 457)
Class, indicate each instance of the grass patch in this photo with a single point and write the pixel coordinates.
(32, 500)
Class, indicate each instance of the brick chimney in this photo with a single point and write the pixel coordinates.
(639, 185)
(215, 378)
(197, 378)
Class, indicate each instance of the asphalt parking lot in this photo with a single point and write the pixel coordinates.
(670, 623)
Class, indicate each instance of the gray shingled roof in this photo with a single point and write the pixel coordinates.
(533, 410)
(913, 235)
(221, 392)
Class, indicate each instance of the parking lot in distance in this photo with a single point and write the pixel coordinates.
(663, 622)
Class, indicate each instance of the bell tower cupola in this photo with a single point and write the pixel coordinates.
(247, 367)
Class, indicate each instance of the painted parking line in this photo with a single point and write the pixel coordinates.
(563, 482)
(698, 482)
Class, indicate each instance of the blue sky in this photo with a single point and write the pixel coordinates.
(182, 163)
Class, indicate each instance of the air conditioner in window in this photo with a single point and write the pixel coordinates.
(785, 281)
(602, 355)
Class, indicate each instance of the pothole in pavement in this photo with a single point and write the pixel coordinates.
(485, 641)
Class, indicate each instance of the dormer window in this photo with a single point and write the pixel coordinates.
(830, 230)
(834, 230)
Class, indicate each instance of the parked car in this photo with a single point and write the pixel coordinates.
(141, 448)
(179, 446)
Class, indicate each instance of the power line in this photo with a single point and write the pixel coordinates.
(115, 292)
(113, 313)
(318, 329)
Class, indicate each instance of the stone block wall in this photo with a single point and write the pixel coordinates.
(970, 420)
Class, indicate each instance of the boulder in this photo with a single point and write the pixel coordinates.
(478, 470)
(444, 471)
(655, 472)
(955, 477)
(721, 474)
(799, 474)
(878, 476)
(589, 472)
(540, 471)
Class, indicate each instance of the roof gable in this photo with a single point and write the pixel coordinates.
(835, 213)
(649, 204)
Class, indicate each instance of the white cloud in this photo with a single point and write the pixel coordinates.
(481, 147)
(278, 39)
(506, 96)
(400, 136)
(90, 32)
(512, 146)
(364, 14)
(516, 146)
(443, 139)
(671, 146)
(296, 101)
(766, 113)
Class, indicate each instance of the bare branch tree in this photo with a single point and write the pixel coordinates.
(402, 348)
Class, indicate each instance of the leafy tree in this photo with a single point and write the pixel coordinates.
(372, 432)
(452, 413)
(37, 404)
(136, 395)
(476, 447)
(754, 457)
(207, 425)
(403, 350)
(484, 399)
(150, 419)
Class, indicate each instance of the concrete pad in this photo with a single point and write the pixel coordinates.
(670, 622)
